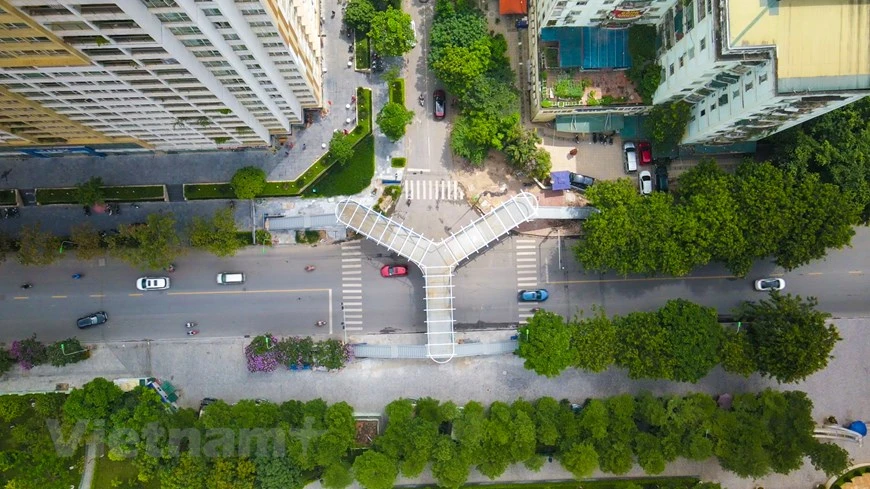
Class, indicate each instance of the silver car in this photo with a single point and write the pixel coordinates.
(152, 283)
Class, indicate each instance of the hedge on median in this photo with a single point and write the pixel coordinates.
(124, 193)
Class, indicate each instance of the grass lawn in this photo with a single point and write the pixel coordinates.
(194, 191)
(363, 53)
(7, 197)
(112, 194)
(397, 91)
(106, 471)
(351, 178)
(398, 162)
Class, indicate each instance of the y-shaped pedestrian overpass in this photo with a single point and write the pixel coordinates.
(438, 260)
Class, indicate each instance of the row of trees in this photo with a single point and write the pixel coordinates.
(783, 337)
(297, 442)
(760, 211)
(474, 67)
(836, 146)
(384, 22)
(150, 245)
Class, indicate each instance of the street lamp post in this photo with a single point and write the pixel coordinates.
(63, 243)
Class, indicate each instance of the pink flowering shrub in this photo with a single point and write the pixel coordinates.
(262, 354)
(29, 352)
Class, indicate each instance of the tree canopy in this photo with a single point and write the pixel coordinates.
(341, 147)
(391, 32)
(152, 245)
(790, 338)
(217, 235)
(248, 182)
(37, 247)
(359, 14)
(393, 119)
(736, 219)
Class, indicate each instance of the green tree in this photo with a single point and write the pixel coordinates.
(277, 473)
(695, 338)
(248, 182)
(341, 148)
(375, 470)
(474, 135)
(457, 65)
(337, 476)
(88, 243)
(545, 344)
(450, 463)
(454, 29)
(393, 119)
(7, 245)
(822, 218)
(91, 192)
(391, 32)
(11, 407)
(666, 124)
(581, 460)
(829, 458)
(231, 473)
(789, 337)
(95, 400)
(217, 235)
(359, 14)
(37, 247)
(189, 473)
(149, 246)
(6, 361)
(521, 147)
(644, 346)
(736, 353)
(594, 340)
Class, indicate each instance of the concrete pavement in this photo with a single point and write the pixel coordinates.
(215, 367)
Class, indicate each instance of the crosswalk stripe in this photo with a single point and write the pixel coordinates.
(352, 304)
(350, 259)
(351, 265)
(433, 190)
(350, 328)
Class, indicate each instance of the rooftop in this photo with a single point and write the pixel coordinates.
(820, 44)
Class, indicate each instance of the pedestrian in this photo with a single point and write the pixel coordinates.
(5, 175)
(303, 146)
(353, 99)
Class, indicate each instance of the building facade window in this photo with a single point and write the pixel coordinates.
(703, 44)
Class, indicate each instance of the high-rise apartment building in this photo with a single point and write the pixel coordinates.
(126, 75)
(749, 69)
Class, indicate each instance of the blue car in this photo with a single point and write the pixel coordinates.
(539, 295)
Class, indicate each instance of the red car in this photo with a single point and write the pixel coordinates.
(440, 107)
(394, 271)
(645, 151)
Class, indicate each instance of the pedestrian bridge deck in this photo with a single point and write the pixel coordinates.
(438, 260)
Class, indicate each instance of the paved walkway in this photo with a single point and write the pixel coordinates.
(216, 368)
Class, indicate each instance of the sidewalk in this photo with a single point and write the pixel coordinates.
(217, 369)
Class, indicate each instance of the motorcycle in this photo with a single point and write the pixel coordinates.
(422, 100)
(77, 276)
(170, 268)
(190, 324)
(320, 324)
(27, 286)
(309, 268)
(193, 332)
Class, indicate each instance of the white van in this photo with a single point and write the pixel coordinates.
(230, 278)
(630, 157)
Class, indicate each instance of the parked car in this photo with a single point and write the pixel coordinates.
(645, 150)
(580, 182)
(768, 284)
(523, 23)
(94, 319)
(440, 105)
(230, 278)
(205, 402)
(152, 283)
(539, 295)
(645, 182)
(662, 177)
(394, 271)
(629, 157)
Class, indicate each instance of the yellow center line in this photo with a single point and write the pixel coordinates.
(856, 272)
(21, 297)
(642, 279)
(58, 297)
(814, 273)
(97, 295)
(135, 295)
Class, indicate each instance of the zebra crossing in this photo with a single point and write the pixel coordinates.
(351, 285)
(432, 190)
(526, 251)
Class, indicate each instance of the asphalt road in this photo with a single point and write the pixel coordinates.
(280, 297)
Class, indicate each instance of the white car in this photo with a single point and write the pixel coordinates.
(767, 284)
(152, 283)
(645, 182)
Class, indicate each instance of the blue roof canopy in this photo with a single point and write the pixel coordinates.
(561, 180)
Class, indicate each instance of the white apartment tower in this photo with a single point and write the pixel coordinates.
(170, 75)
(748, 68)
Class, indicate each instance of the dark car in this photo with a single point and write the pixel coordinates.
(393, 271)
(205, 402)
(92, 320)
(662, 178)
(440, 107)
(580, 182)
(523, 23)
